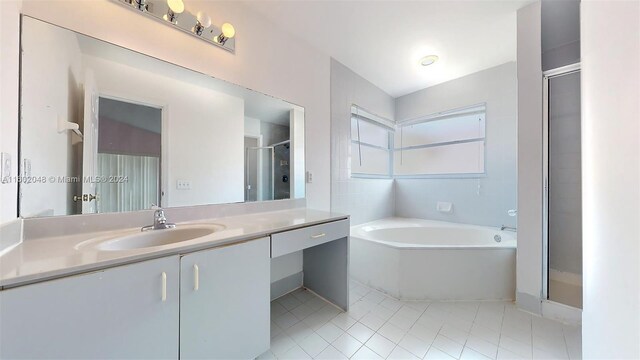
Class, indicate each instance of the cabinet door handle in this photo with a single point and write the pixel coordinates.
(318, 236)
(164, 286)
(196, 277)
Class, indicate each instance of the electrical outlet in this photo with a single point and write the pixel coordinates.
(183, 185)
(309, 177)
(5, 167)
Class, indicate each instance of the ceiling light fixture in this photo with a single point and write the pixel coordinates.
(429, 60)
(203, 21)
(228, 32)
(176, 7)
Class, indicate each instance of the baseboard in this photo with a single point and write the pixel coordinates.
(561, 312)
(528, 302)
(565, 277)
(286, 285)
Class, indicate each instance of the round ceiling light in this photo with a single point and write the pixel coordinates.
(429, 60)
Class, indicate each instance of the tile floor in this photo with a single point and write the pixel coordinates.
(379, 327)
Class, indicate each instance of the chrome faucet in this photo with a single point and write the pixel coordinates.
(504, 227)
(159, 222)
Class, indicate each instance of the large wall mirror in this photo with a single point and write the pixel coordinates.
(105, 129)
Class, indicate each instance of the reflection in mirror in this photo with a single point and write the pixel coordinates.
(105, 129)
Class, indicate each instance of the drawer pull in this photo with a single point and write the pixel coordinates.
(196, 277)
(164, 286)
(318, 236)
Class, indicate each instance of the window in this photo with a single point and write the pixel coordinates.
(445, 144)
(371, 139)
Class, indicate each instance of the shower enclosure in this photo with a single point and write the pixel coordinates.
(563, 186)
(267, 171)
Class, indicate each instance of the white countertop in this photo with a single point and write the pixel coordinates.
(48, 258)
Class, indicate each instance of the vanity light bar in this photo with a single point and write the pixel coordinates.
(173, 13)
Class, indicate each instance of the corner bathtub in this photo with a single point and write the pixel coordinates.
(415, 259)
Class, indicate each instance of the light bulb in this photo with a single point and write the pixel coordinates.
(203, 19)
(177, 6)
(228, 30)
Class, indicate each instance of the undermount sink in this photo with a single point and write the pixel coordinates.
(151, 238)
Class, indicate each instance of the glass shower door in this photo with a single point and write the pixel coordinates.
(259, 173)
(564, 188)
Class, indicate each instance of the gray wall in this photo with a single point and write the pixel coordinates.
(364, 199)
(560, 33)
(483, 200)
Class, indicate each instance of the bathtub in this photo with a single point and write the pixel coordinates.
(415, 259)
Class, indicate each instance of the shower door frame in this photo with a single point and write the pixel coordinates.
(546, 76)
(246, 157)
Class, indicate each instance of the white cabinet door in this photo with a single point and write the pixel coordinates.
(130, 312)
(224, 302)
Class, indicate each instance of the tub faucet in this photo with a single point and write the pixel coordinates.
(159, 222)
(509, 228)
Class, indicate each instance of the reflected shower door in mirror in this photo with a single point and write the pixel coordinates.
(104, 129)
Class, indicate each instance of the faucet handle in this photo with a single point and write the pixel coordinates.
(159, 216)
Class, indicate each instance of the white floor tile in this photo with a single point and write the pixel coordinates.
(289, 302)
(470, 354)
(286, 320)
(454, 333)
(486, 333)
(344, 321)
(281, 344)
(305, 326)
(366, 354)
(415, 345)
(331, 353)
(302, 311)
(313, 344)
(436, 354)
(299, 332)
(401, 354)
(516, 347)
(330, 332)
(295, 353)
(372, 321)
(347, 344)
(392, 332)
(402, 322)
(482, 346)
(447, 345)
(425, 333)
(380, 345)
(360, 332)
(504, 354)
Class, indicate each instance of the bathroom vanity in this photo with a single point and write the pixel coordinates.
(207, 297)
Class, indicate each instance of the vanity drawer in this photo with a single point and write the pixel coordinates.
(295, 240)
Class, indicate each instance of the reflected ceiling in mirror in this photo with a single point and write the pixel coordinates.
(105, 129)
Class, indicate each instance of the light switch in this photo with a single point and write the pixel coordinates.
(183, 185)
(309, 177)
(5, 167)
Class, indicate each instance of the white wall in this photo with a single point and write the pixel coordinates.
(364, 199)
(288, 68)
(610, 37)
(484, 200)
(51, 89)
(529, 256)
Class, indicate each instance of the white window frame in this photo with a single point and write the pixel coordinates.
(361, 114)
(467, 110)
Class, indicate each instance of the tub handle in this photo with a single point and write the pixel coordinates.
(318, 236)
